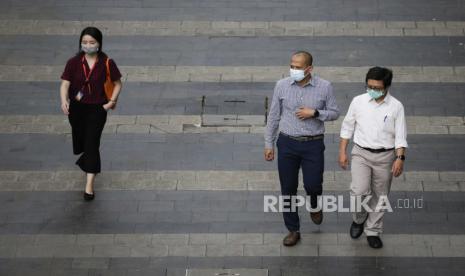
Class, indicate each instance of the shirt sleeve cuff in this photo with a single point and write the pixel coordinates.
(401, 145)
(269, 145)
(346, 135)
(322, 115)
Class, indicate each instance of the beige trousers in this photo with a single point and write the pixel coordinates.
(371, 175)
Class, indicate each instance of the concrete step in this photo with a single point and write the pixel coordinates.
(208, 123)
(217, 74)
(237, 28)
(225, 245)
(166, 180)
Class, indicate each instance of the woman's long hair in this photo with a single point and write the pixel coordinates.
(96, 34)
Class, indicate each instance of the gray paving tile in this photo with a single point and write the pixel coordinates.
(129, 263)
(90, 263)
(146, 272)
(137, 217)
(169, 262)
(206, 262)
(107, 272)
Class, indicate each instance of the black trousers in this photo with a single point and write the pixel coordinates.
(293, 155)
(87, 123)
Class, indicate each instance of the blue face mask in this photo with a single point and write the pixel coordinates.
(375, 94)
(296, 74)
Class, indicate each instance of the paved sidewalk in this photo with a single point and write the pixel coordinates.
(175, 194)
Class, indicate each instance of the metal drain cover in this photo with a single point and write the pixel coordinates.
(227, 272)
(233, 112)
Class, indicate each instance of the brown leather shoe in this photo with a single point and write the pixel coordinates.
(317, 217)
(291, 239)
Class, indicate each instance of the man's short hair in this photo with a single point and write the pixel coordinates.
(307, 55)
(380, 74)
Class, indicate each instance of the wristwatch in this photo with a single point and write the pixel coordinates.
(316, 114)
(401, 157)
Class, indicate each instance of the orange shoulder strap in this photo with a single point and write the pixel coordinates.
(108, 67)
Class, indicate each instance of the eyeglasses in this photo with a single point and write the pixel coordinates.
(378, 89)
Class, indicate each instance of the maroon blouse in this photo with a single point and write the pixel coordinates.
(93, 91)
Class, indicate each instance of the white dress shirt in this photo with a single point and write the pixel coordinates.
(375, 125)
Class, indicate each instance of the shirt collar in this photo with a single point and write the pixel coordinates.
(386, 99)
(312, 81)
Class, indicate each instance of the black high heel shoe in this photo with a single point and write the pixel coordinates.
(89, 197)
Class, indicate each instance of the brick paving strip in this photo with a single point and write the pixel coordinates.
(161, 74)
(72, 180)
(224, 244)
(172, 124)
(237, 28)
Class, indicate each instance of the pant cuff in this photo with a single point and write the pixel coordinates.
(359, 218)
(371, 232)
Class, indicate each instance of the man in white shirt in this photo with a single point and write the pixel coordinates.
(376, 120)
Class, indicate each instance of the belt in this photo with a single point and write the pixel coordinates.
(375, 150)
(304, 138)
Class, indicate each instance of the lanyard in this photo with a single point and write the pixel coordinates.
(87, 75)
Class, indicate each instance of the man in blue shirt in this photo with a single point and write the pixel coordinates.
(300, 106)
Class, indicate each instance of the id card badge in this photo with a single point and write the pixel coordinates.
(79, 96)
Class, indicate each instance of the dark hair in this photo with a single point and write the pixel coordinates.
(307, 55)
(380, 74)
(95, 33)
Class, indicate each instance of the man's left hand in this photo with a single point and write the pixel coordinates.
(397, 167)
(305, 113)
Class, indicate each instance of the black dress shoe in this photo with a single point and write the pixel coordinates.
(356, 230)
(89, 197)
(374, 242)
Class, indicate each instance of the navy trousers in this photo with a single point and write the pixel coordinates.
(293, 155)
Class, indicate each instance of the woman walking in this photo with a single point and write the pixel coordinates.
(85, 101)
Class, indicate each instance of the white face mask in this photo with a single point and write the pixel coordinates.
(89, 49)
(297, 74)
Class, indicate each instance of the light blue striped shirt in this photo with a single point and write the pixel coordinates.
(288, 97)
